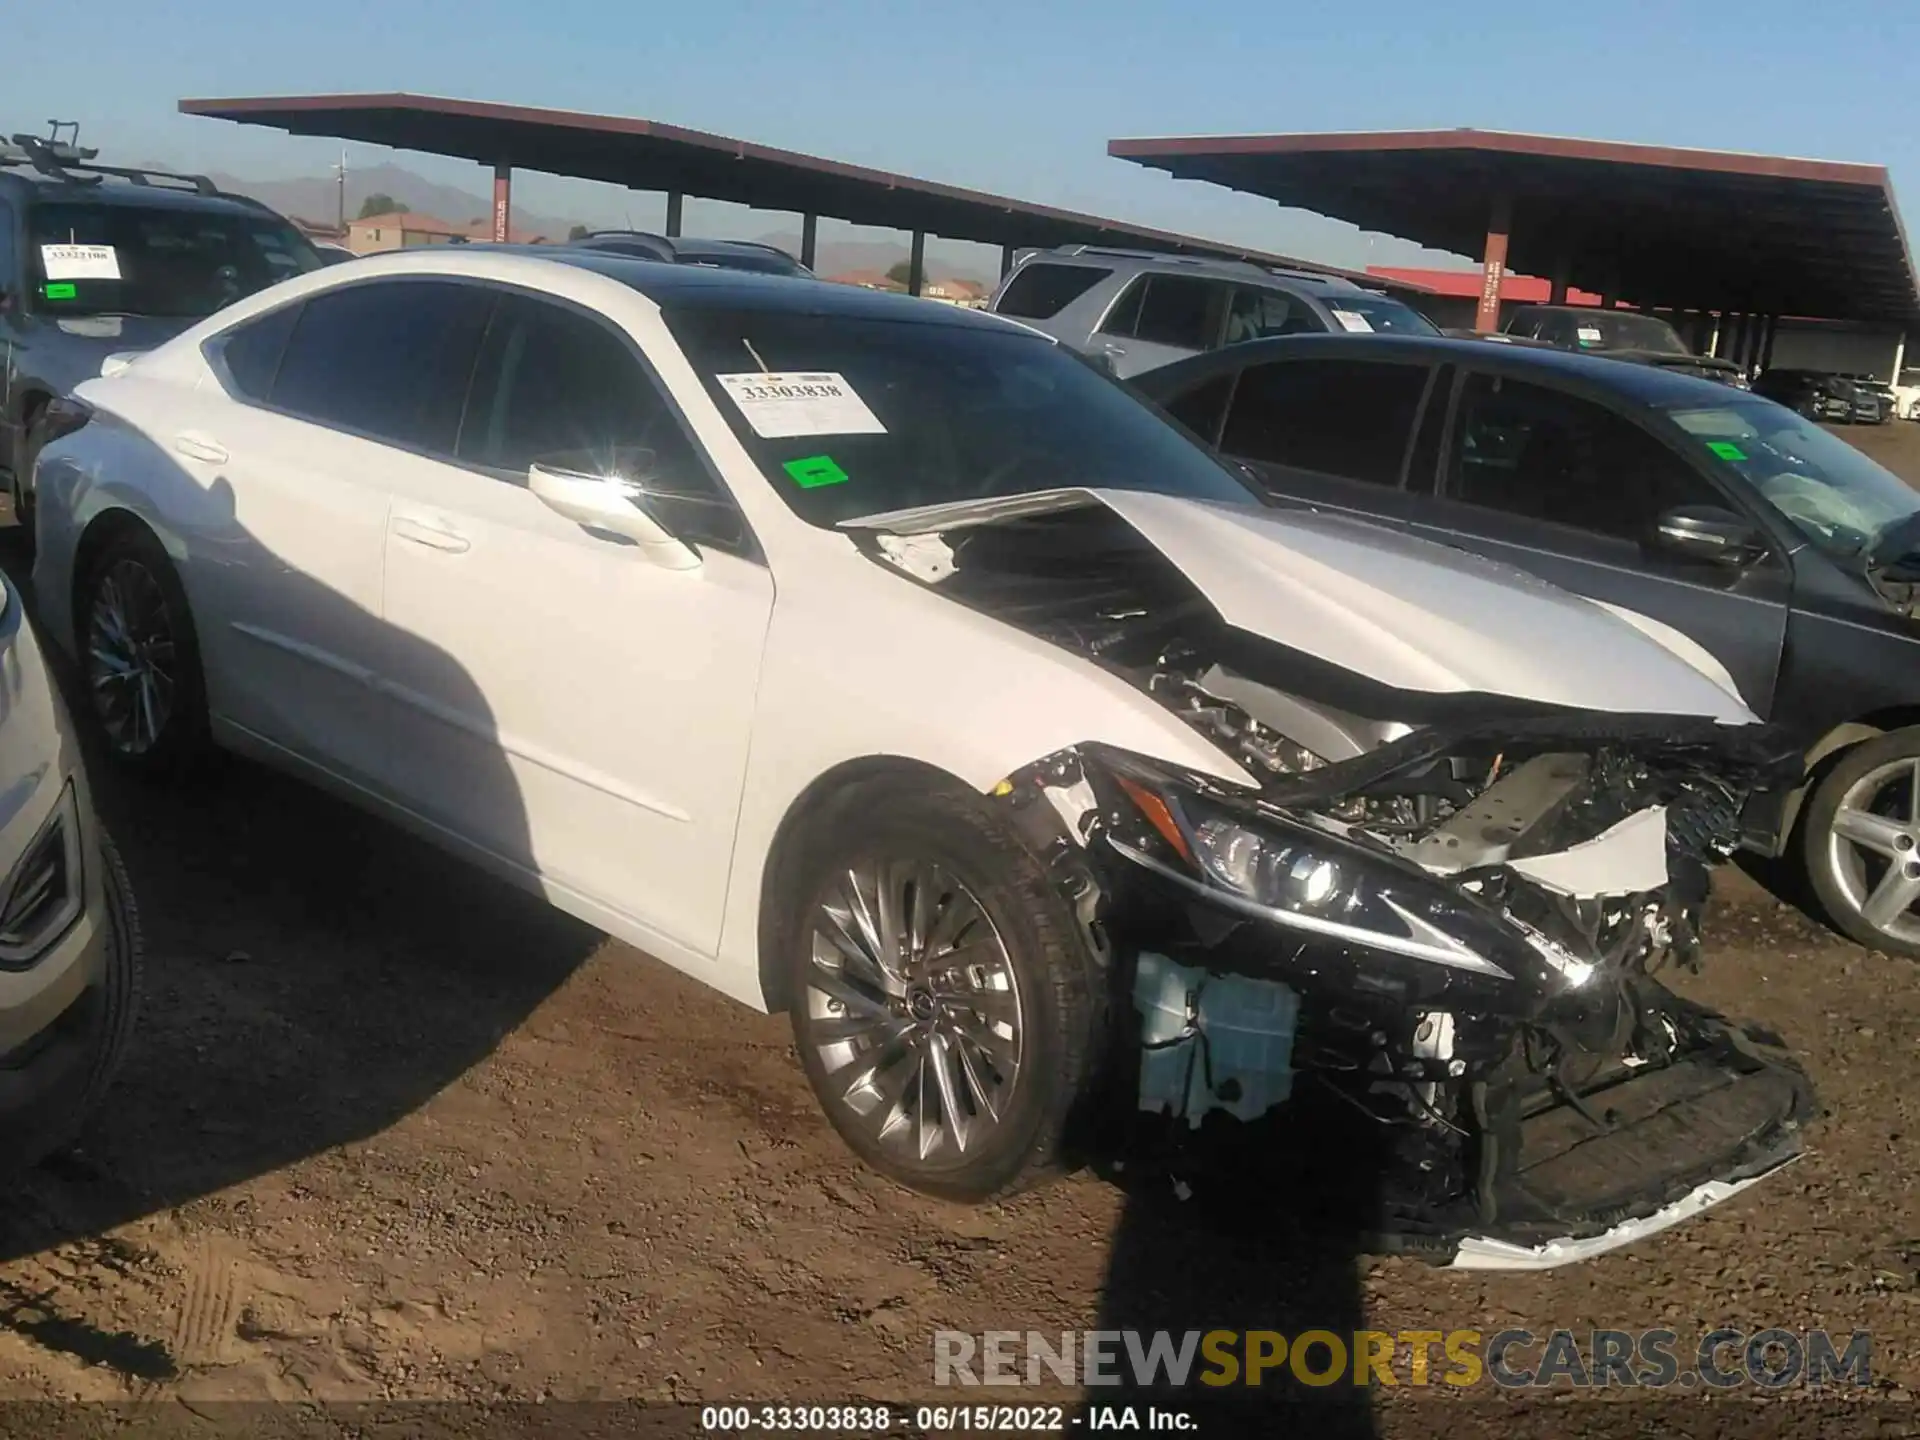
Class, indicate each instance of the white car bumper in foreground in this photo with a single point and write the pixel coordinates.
(1477, 1253)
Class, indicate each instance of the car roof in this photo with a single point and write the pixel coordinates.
(1586, 312)
(676, 244)
(1222, 268)
(137, 197)
(684, 287)
(1647, 384)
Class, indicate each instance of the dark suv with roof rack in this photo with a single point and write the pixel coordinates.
(750, 255)
(99, 259)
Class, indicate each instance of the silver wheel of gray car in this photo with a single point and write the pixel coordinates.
(1860, 842)
(913, 1009)
(131, 657)
(1873, 848)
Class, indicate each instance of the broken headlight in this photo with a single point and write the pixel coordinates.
(1309, 880)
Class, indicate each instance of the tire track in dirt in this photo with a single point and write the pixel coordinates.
(203, 1332)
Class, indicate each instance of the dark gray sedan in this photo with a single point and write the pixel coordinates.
(1787, 555)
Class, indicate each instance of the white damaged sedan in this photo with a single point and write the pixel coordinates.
(886, 664)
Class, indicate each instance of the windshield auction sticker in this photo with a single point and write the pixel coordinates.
(783, 404)
(1354, 321)
(80, 262)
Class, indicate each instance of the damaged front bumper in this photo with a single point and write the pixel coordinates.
(1416, 995)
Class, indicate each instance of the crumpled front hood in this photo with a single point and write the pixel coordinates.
(1404, 612)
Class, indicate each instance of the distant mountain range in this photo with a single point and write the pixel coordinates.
(316, 198)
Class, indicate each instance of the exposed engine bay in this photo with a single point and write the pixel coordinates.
(1421, 960)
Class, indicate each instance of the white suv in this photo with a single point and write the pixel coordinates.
(880, 662)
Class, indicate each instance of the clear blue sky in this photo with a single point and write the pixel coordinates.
(1018, 98)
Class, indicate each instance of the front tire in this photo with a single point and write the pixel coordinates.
(140, 657)
(1860, 843)
(943, 1004)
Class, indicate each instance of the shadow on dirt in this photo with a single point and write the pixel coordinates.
(313, 974)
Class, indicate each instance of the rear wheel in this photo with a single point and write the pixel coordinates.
(942, 1002)
(1861, 843)
(141, 657)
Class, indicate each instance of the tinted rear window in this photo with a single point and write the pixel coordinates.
(1039, 291)
(390, 359)
(1350, 418)
(1182, 310)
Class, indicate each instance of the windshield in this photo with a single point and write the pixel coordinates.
(850, 415)
(1829, 491)
(1377, 313)
(1617, 330)
(120, 259)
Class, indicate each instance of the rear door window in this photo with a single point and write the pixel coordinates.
(1183, 311)
(1040, 291)
(389, 360)
(1347, 418)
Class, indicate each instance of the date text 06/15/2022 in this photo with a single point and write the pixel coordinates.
(879, 1420)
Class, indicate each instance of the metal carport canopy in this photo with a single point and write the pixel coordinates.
(648, 155)
(1699, 229)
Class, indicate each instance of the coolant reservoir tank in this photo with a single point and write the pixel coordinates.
(1212, 1042)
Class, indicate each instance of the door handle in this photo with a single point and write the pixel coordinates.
(198, 447)
(434, 537)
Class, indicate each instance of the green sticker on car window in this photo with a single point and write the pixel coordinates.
(60, 290)
(815, 471)
(1726, 450)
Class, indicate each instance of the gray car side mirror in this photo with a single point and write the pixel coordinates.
(1708, 532)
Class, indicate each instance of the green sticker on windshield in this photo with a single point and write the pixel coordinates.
(1726, 450)
(815, 471)
(60, 290)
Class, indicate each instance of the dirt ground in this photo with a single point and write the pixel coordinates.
(391, 1131)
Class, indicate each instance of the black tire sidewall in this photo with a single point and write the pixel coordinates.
(1051, 968)
(26, 1140)
(1817, 823)
(183, 743)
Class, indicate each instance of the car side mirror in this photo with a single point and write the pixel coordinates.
(614, 507)
(1708, 532)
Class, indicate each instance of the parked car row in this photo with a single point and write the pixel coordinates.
(1817, 395)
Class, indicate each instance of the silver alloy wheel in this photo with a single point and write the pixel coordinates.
(131, 657)
(913, 1009)
(1873, 849)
